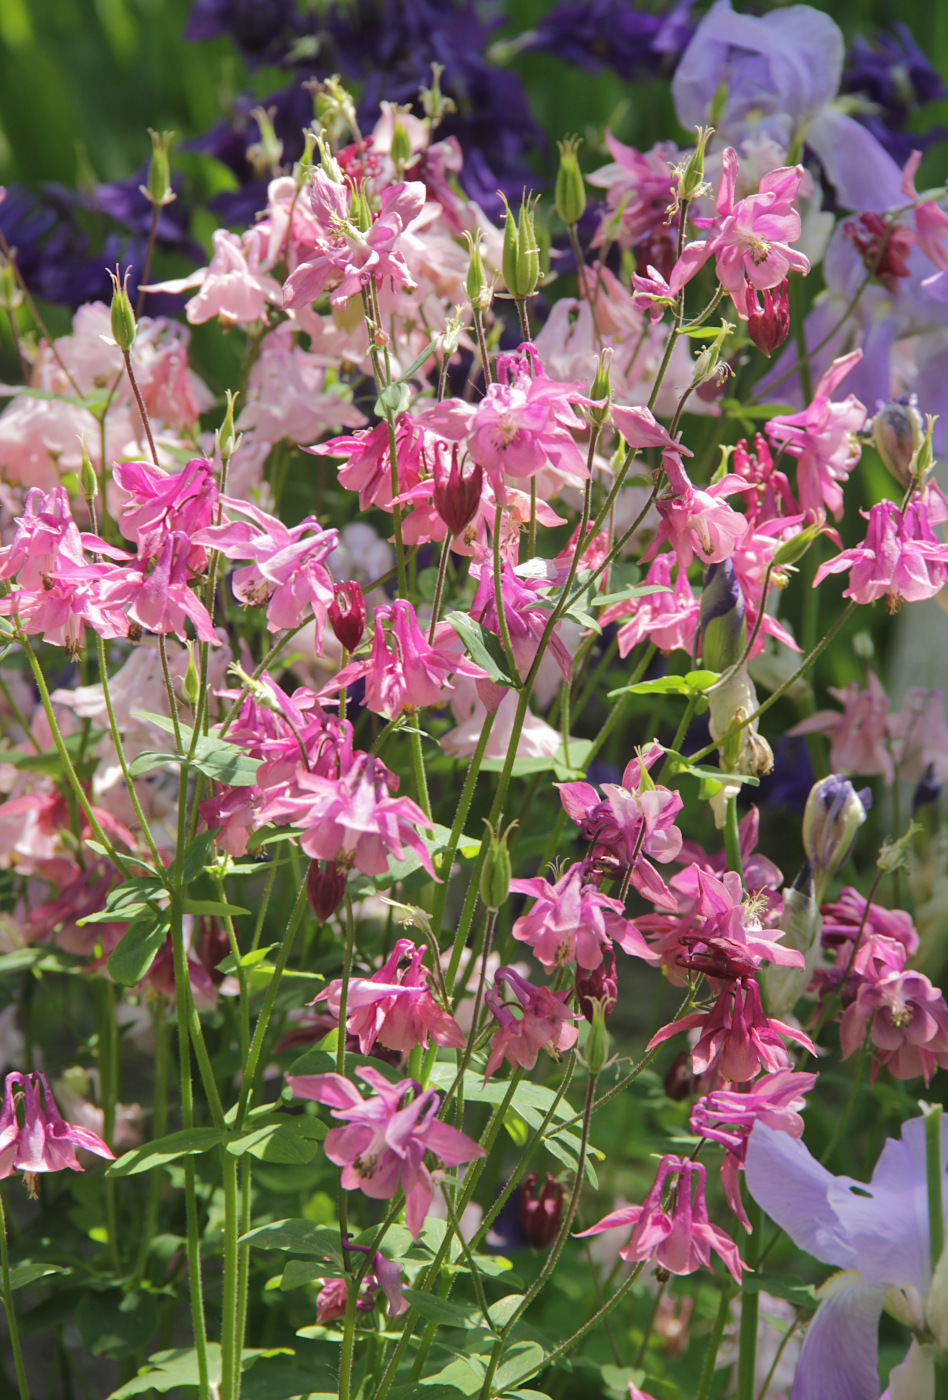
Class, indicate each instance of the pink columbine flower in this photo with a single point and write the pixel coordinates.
(681, 1241)
(155, 502)
(571, 921)
(728, 1117)
(858, 734)
(345, 257)
(383, 1145)
(34, 1137)
(699, 522)
(525, 422)
(155, 593)
(749, 238)
(909, 1024)
(638, 189)
(668, 617)
(394, 1006)
(403, 672)
(760, 873)
(524, 614)
(368, 469)
(823, 440)
(727, 933)
(634, 819)
(232, 288)
(851, 912)
(767, 495)
(538, 1019)
(352, 820)
(288, 571)
(735, 1035)
(900, 558)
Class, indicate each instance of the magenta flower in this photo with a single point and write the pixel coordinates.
(537, 1019)
(155, 593)
(668, 618)
(900, 558)
(638, 191)
(851, 912)
(394, 1007)
(633, 820)
(735, 1035)
(403, 672)
(571, 921)
(351, 819)
(368, 469)
(34, 1137)
(156, 502)
(727, 1117)
(823, 440)
(288, 571)
(726, 930)
(905, 1017)
(759, 870)
(525, 422)
(700, 522)
(383, 1145)
(524, 613)
(749, 238)
(681, 1241)
(767, 495)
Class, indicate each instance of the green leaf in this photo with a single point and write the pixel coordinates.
(172, 1369)
(787, 1286)
(299, 1272)
(298, 1237)
(503, 1310)
(288, 1140)
(137, 949)
(24, 1274)
(116, 1323)
(186, 1143)
(211, 906)
(520, 1362)
(483, 647)
(416, 366)
(694, 682)
(434, 1309)
(605, 600)
(195, 858)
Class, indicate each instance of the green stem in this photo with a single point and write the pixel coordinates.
(499, 600)
(120, 751)
(934, 1167)
(9, 1309)
(747, 1353)
(230, 1360)
(714, 1344)
(143, 412)
(159, 1126)
(439, 589)
(418, 768)
(732, 838)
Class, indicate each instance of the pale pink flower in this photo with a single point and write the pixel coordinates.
(858, 735)
(823, 440)
(638, 191)
(699, 522)
(232, 287)
(681, 1241)
(525, 421)
(907, 1022)
(383, 1145)
(368, 469)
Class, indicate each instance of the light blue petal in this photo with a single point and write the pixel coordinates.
(839, 1359)
(793, 1189)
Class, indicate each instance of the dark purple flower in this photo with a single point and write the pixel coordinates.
(608, 33)
(892, 72)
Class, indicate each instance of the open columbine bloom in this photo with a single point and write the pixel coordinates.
(34, 1136)
(878, 1234)
(385, 1138)
(394, 1006)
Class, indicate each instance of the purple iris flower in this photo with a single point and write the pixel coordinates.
(782, 73)
(893, 73)
(607, 33)
(878, 1233)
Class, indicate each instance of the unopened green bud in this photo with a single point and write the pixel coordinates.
(596, 1049)
(570, 189)
(88, 481)
(433, 101)
(601, 389)
(359, 211)
(228, 440)
(124, 328)
(495, 873)
(265, 155)
(303, 167)
(924, 457)
(401, 146)
(192, 682)
(834, 813)
(159, 191)
(898, 432)
(721, 618)
(11, 293)
(793, 550)
(479, 290)
(528, 253)
(508, 264)
(708, 363)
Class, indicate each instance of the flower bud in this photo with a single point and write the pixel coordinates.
(88, 481)
(227, 440)
(347, 614)
(540, 1214)
(601, 388)
(159, 191)
(495, 873)
(927, 790)
(401, 151)
(898, 432)
(570, 190)
(598, 984)
(479, 291)
(124, 328)
(596, 1049)
(359, 211)
(769, 327)
(721, 618)
(457, 496)
(266, 153)
(433, 101)
(688, 176)
(325, 887)
(833, 815)
(792, 551)
(800, 923)
(521, 255)
(191, 684)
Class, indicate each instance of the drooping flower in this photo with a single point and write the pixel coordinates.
(155, 502)
(905, 1018)
(394, 1006)
(540, 1211)
(823, 440)
(34, 1137)
(735, 1035)
(155, 594)
(383, 1144)
(680, 1241)
(900, 559)
(537, 1019)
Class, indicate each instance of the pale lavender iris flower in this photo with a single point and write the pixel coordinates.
(879, 1233)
